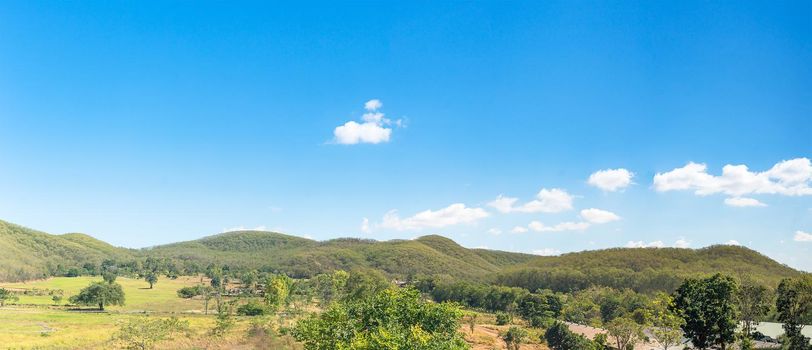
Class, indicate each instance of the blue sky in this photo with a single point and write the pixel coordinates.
(143, 123)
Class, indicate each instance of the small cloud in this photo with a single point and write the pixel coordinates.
(495, 231)
(682, 243)
(598, 216)
(801, 236)
(374, 129)
(365, 226)
(560, 227)
(744, 202)
(547, 201)
(547, 252)
(641, 244)
(373, 105)
(611, 180)
(519, 229)
(243, 228)
(454, 214)
(732, 242)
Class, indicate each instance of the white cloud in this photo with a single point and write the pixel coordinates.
(547, 252)
(598, 216)
(733, 242)
(365, 226)
(495, 231)
(547, 201)
(454, 214)
(789, 177)
(373, 105)
(611, 179)
(374, 129)
(801, 236)
(564, 226)
(519, 229)
(682, 243)
(243, 228)
(744, 202)
(641, 244)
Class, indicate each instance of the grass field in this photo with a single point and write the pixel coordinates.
(34, 322)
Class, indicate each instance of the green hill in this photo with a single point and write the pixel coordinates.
(29, 254)
(302, 257)
(643, 269)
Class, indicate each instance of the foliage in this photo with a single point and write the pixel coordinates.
(503, 318)
(708, 308)
(151, 278)
(277, 291)
(252, 308)
(514, 337)
(191, 292)
(6, 295)
(753, 302)
(391, 319)
(144, 333)
(559, 337)
(625, 332)
(794, 306)
(225, 321)
(665, 323)
(101, 294)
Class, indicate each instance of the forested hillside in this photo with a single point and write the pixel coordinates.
(30, 254)
(642, 269)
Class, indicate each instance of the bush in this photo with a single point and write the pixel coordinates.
(190, 292)
(503, 318)
(252, 308)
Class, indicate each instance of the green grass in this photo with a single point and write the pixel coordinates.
(34, 322)
(162, 298)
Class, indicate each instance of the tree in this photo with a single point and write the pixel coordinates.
(665, 324)
(794, 306)
(625, 332)
(57, 298)
(151, 278)
(143, 333)
(559, 337)
(6, 295)
(514, 337)
(472, 321)
(391, 319)
(277, 291)
(708, 308)
(109, 276)
(101, 294)
(754, 303)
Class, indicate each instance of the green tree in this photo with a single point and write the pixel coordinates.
(625, 332)
(665, 323)
(101, 294)
(277, 291)
(514, 337)
(144, 333)
(151, 278)
(472, 321)
(6, 296)
(57, 299)
(390, 320)
(794, 306)
(559, 337)
(109, 276)
(754, 301)
(708, 308)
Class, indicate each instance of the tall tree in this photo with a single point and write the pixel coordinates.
(151, 278)
(277, 291)
(665, 324)
(794, 306)
(708, 308)
(101, 294)
(754, 301)
(625, 332)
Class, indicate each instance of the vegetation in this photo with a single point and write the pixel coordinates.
(144, 333)
(794, 304)
(6, 295)
(559, 337)
(708, 307)
(514, 337)
(391, 319)
(101, 294)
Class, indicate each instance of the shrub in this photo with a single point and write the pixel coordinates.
(252, 308)
(503, 318)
